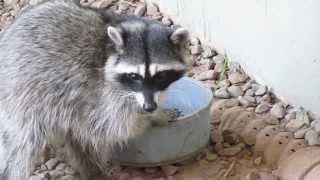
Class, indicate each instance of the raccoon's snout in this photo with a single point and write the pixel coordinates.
(149, 106)
(147, 101)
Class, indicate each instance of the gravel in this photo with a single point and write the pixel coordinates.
(294, 125)
(262, 90)
(312, 138)
(235, 91)
(262, 108)
(278, 110)
(222, 93)
(237, 77)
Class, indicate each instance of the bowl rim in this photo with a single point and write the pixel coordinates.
(209, 92)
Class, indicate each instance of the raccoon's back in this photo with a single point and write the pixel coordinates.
(50, 50)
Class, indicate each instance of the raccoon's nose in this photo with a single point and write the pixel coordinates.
(150, 106)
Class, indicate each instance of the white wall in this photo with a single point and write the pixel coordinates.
(276, 41)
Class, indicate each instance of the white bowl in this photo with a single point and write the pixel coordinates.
(182, 138)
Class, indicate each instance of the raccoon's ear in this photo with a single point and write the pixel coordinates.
(116, 36)
(179, 36)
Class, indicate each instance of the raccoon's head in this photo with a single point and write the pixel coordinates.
(148, 57)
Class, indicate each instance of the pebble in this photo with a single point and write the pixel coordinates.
(249, 92)
(140, 10)
(263, 107)
(211, 156)
(194, 41)
(52, 163)
(312, 138)
(251, 176)
(166, 21)
(243, 101)
(251, 99)
(69, 170)
(235, 67)
(299, 134)
(114, 170)
(224, 83)
(262, 90)
(278, 110)
(294, 125)
(195, 49)
(169, 170)
(208, 52)
(150, 170)
(219, 58)
(316, 125)
(236, 78)
(123, 6)
(219, 67)
(68, 177)
(258, 161)
(35, 178)
(231, 151)
(10, 2)
(211, 65)
(61, 166)
(290, 115)
(102, 4)
(171, 178)
(137, 178)
(152, 9)
(266, 98)
(250, 109)
(222, 93)
(56, 174)
(124, 176)
(34, 2)
(235, 91)
(207, 75)
(247, 85)
(303, 116)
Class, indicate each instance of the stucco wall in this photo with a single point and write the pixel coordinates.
(276, 41)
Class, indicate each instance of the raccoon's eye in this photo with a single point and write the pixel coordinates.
(134, 76)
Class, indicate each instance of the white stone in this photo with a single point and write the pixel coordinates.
(195, 49)
(207, 75)
(235, 91)
(224, 83)
(219, 58)
(312, 138)
(278, 110)
(263, 107)
(299, 134)
(237, 77)
(303, 116)
(140, 10)
(222, 93)
(169, 170)
(294, 125)
(262, 90)
(52, 163)
(208, 52)
(102, 4)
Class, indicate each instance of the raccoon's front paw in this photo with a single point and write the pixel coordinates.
(161, 117)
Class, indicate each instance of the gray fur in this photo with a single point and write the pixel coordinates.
(56, 87)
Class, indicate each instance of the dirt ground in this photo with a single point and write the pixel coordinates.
(228, 156)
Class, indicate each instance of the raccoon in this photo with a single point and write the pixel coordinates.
(84, 78)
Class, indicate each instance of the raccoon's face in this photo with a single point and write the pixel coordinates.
(147, 60)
